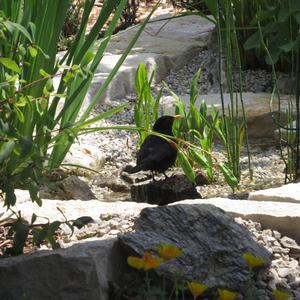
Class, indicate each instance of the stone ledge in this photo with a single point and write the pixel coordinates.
(257, 109)
(281, 216)
(164, 45)
(286, 193)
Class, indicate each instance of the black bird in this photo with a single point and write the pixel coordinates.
(156, 153)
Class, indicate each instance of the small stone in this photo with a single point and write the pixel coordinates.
(272, 284)
(283, 272)
(114, 224)
(105, 217)
(276, 234)
(114, 232)
(102, 231)
(291, 244)
(267, 232)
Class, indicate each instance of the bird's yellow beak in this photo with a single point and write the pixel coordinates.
(177, 117)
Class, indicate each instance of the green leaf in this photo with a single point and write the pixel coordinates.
(80, 222)
(26, 145)
(194, 87)
(283, 14)
(200, 159)
(44, 73)
(186, 166)
(5, 150)
(212, 5)
(288, 46)
(229, 176)
(21, 233)
(88, 57)
(33, 191)
(11, 26)
(10, 196)
(297, 17)
(253, 41)
(19, 114)
(33, 218)
(10, 64)
(33, 51)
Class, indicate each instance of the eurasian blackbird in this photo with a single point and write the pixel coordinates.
(156, 153)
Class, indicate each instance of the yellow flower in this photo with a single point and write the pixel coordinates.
(146, 263)
(279, 295)
(226, 295)
(253, 261)
(196, 288)
(136, 262)
(168, 251)
(151, 261)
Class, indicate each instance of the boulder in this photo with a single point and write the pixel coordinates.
(164, 191)
(80, 272)
(211, 241)
(86, 156)
(69, 188)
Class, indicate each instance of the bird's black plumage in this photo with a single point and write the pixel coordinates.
(156, 153)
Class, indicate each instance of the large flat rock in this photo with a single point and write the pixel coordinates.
(257, 109)
(80, 272)
(281, 216)
(163, 46)
(286, 193)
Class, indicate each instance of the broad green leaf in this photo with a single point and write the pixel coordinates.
(229, 176)
(200, 159)
(186, 166)
(10, 64)
(21, 233)
(288, 46)
(253, 41)
(10, 196)
(5, 150)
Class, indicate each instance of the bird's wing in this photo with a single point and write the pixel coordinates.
(153, 149)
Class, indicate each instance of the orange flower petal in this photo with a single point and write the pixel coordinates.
(168, 251)
(196, 288)
(279, 295)
(253, 261)
(151, 261)
(136, 262)
(226, 295)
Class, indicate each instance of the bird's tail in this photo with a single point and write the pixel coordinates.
(130, 169)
